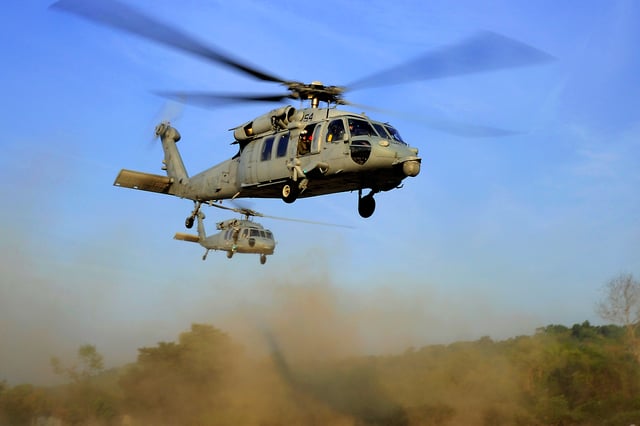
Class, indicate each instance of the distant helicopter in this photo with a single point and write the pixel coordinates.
(290, 153)
(235, 236)
(239, 235)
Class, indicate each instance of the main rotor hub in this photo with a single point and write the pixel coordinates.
(316, 92)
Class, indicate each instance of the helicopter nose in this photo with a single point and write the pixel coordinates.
(411, 168)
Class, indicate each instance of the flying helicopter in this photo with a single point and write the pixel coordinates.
(290, 152)
(239, 235)
(235, 236)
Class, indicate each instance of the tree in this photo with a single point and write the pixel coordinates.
(85, 401)
(21, 404)
(180, 383)
(91, 363)
(621, 305)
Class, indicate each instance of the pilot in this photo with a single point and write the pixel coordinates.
(335, 132)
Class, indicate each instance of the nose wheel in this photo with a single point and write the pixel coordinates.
(366, 204)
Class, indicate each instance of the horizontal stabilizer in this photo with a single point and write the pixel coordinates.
(186, 237)
(143, 181)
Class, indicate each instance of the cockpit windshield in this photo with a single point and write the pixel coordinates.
(395, 135)
(381, 130)
(360, 128)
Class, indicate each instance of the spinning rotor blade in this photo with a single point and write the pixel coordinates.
(444, 125)
(123, 17)
(210, 100)
(310, 222)
(250, 212)
(486, 51)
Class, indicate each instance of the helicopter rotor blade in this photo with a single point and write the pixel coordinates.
(485, 51)
(213, 100)
(123, 17)
(310, 222)
(250, 212)
(444, 125)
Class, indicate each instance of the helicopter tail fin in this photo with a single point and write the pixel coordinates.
(176, 180)
(172, 159)
(186, 237)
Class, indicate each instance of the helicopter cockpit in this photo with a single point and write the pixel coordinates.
(361, 127)
(256, 233)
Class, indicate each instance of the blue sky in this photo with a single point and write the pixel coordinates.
(496, 236)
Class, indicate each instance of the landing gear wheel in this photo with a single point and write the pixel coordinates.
(188, 222)
(263, 259)
(290, 192)
(366, 206)
(229, 254)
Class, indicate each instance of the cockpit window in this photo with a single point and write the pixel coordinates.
(269, 235)
(255, 233)
(394, 134)
(335, 131)
(360, 128)
(381, 130)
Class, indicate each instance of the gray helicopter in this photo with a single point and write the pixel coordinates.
(235, 236)
(290, 153)
(240, 235)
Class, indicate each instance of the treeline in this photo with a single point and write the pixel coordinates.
(579, 375)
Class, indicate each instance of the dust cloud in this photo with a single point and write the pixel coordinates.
(298, 319)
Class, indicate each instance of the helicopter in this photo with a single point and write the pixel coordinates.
(240, 235)
(235, 236)
(289, 152)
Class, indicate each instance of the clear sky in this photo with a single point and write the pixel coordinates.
(496, 236)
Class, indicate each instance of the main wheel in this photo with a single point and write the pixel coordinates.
(366, 206)
(263, 259)
(290, 192)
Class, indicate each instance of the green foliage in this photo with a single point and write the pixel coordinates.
(20, 404)
(90, 363)
(578, 375)
(177, 383)
(90, 396)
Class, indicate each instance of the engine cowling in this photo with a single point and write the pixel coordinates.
(276, 119)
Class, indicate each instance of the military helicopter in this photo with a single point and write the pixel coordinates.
(235, 236)
(291, 153)
(239, 235)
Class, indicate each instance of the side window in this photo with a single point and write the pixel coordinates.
(335, 131)
(267, 146)
(283, 142)
(304, 142)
